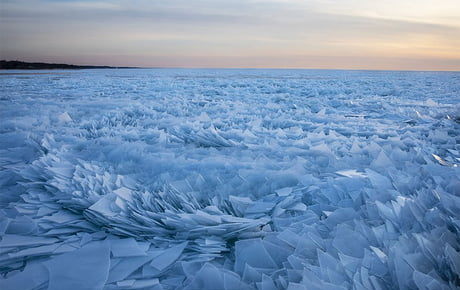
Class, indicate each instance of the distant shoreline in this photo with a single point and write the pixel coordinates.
(21, 65)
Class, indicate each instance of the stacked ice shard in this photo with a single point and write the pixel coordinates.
(230, 179)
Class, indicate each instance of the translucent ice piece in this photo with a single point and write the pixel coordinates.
(267, 283)
(65, 117)
(441, 161)
(349, 242)
(168, 257)
(382, 161)
(85, 268)
(260, 207)
(284, 191)
(34, 276)
(427, 282)
(124, 193)
(210, 278)
(125, 248)
(139, 284)
(125, 267)
(379, 181)
(17, 240)
(105, 206)
(454, 258)
(252, 252)
(351, 173)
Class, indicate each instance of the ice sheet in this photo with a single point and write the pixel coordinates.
(230, 179)
(85, 268)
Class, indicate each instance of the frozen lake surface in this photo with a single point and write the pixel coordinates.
(229, 179)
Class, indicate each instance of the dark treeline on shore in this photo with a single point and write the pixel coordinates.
(15, 64)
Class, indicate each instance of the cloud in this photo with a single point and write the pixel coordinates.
(228, 29)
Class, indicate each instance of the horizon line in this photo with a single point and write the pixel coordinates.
(96, 66)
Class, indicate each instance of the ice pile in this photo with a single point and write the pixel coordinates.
(230, 179)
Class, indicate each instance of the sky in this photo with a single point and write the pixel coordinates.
(321, 34)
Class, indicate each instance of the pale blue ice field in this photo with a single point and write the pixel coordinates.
(229, 179)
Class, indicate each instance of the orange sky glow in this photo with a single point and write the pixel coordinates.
(325, 34)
